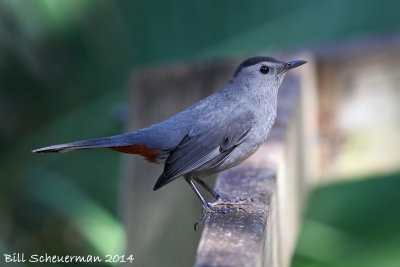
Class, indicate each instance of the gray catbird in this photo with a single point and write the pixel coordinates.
(215, 134)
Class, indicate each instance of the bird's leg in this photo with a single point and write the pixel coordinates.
(215, 194)
(221, 199)
(207, 208)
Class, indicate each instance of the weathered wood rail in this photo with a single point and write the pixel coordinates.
(276, 177)
(254, 237)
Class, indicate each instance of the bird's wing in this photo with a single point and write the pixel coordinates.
(212, 138)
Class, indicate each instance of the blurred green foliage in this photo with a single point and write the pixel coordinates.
(64, 71)
(352, 224)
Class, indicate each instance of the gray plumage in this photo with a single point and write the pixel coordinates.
(212, 135)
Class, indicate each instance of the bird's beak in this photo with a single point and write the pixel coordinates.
(293, 64)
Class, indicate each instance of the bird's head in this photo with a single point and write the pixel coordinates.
(260, 73)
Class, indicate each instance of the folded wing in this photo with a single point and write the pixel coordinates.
(211, 139)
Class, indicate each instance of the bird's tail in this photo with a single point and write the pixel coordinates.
(132, 143)
(91, 143)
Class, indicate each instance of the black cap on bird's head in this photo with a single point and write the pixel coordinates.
(264, 69)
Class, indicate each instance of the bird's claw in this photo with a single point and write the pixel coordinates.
(222, 201)
(200, 220)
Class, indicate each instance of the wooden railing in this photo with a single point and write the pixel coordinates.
(276, 177)
(263, 234)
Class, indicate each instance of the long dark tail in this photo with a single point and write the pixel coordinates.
(116, 141)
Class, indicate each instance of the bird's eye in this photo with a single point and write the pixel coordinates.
(264, 69)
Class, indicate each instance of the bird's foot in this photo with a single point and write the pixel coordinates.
(225, 201)
(213, 208)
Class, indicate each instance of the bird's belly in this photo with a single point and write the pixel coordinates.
(239, 154)
(249, 146)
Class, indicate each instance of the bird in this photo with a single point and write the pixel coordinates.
(212, 135)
